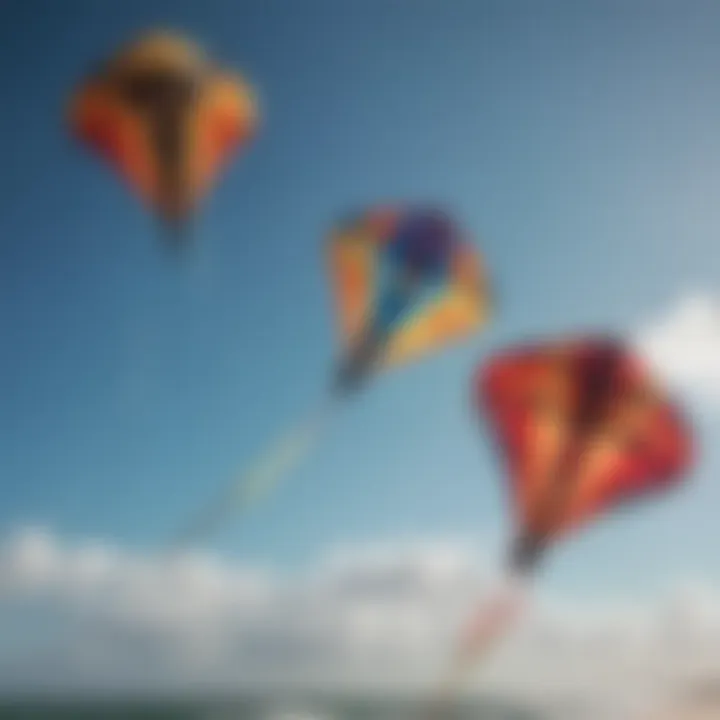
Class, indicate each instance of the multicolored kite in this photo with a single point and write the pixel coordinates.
(406, 283)
(166, 119)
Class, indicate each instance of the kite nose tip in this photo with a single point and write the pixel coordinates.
(525, 554)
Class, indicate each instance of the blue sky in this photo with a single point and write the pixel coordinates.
(579, 143)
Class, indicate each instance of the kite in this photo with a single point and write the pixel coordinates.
(167, 120)
(405, 283)
(584, 430)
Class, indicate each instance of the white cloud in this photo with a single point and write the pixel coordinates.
(91, 616)
(684, 346)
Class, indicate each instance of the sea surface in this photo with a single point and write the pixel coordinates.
(266, 709)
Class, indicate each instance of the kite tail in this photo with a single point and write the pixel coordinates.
(491, 622)
(251, 486)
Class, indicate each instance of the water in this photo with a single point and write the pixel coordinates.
(248, 709)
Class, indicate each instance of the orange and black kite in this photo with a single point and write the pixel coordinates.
(166, 119)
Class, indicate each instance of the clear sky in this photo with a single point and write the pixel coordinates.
(578, 141)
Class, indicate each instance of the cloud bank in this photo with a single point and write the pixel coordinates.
(88, 616)
(683, 346)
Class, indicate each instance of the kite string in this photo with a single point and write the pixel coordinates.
(489, 625)
(250, 486)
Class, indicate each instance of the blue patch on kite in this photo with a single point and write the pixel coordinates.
(423, 243)
(393, 303)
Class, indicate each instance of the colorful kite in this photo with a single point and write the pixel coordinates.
(166, 120)
(584, 430)
(406, 283)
